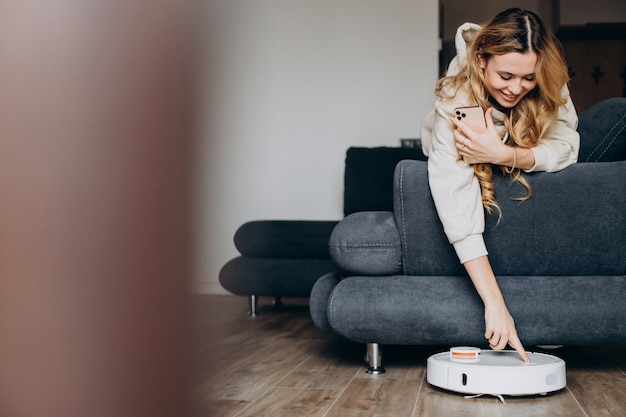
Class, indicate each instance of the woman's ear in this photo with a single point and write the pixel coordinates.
(482, 62)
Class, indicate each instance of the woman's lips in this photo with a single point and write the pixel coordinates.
(510, 97)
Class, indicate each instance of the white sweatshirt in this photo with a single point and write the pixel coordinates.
(454, 186)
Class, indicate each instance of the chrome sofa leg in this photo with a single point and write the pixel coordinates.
(253, 302)
(374, 359)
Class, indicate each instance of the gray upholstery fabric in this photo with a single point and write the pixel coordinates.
(431, 310)
(284, 238)
(426, 250)
(574, 223)
(367, 243)
(318, 301)
(273, 277)
(600, 128)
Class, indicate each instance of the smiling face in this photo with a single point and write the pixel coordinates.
(510, 76)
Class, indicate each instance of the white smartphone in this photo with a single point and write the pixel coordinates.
(473, 117)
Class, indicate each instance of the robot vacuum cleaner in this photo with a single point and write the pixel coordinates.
(472, 371)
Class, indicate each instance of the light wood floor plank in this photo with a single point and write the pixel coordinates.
(600, 392)
(317, 372)
(216, 408)
(436, 402)
(257, 373)
(377, 397)
(557, 404)
(290, 402)
(593, 379)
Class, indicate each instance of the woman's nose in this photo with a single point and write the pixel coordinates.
(515, 87)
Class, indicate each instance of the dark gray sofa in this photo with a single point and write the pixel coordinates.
(559, 257)
(284, 258)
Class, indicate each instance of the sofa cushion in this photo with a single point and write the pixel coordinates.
(368, 178)
(446, 310)
(273, 277)
(367, 243)
(319, 298)
(303, 239)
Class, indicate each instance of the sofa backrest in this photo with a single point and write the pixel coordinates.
(573, 225)
(368, 177)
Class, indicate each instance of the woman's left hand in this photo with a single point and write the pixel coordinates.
(480, 148)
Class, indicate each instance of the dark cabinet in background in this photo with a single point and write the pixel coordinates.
(596, 57)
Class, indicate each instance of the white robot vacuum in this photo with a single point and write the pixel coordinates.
(472, 371)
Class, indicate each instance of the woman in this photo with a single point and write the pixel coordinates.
(513, 69)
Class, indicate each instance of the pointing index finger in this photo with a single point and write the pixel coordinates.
(517, 345)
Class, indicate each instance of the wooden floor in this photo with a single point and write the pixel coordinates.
(280, 365)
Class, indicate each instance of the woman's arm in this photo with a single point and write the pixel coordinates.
(559, 149)
(455, 190)
(457, 197)
(499, 325)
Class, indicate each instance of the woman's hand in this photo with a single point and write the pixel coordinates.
(500, 330)
(499, 325)
(480, 148)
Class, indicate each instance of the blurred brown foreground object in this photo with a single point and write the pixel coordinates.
(94, 181)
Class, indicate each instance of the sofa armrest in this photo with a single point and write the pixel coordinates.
(297, 239)
(367, 243)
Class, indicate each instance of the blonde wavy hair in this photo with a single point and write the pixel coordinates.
(513, 30)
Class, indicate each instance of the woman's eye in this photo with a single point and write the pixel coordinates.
(505, 77)
(529, 78)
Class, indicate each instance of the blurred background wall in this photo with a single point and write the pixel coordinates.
(291, 85)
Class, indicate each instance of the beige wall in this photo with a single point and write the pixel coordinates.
(290, 85)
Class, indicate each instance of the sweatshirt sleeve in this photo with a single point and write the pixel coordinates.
(560, 147)
(455, 190)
